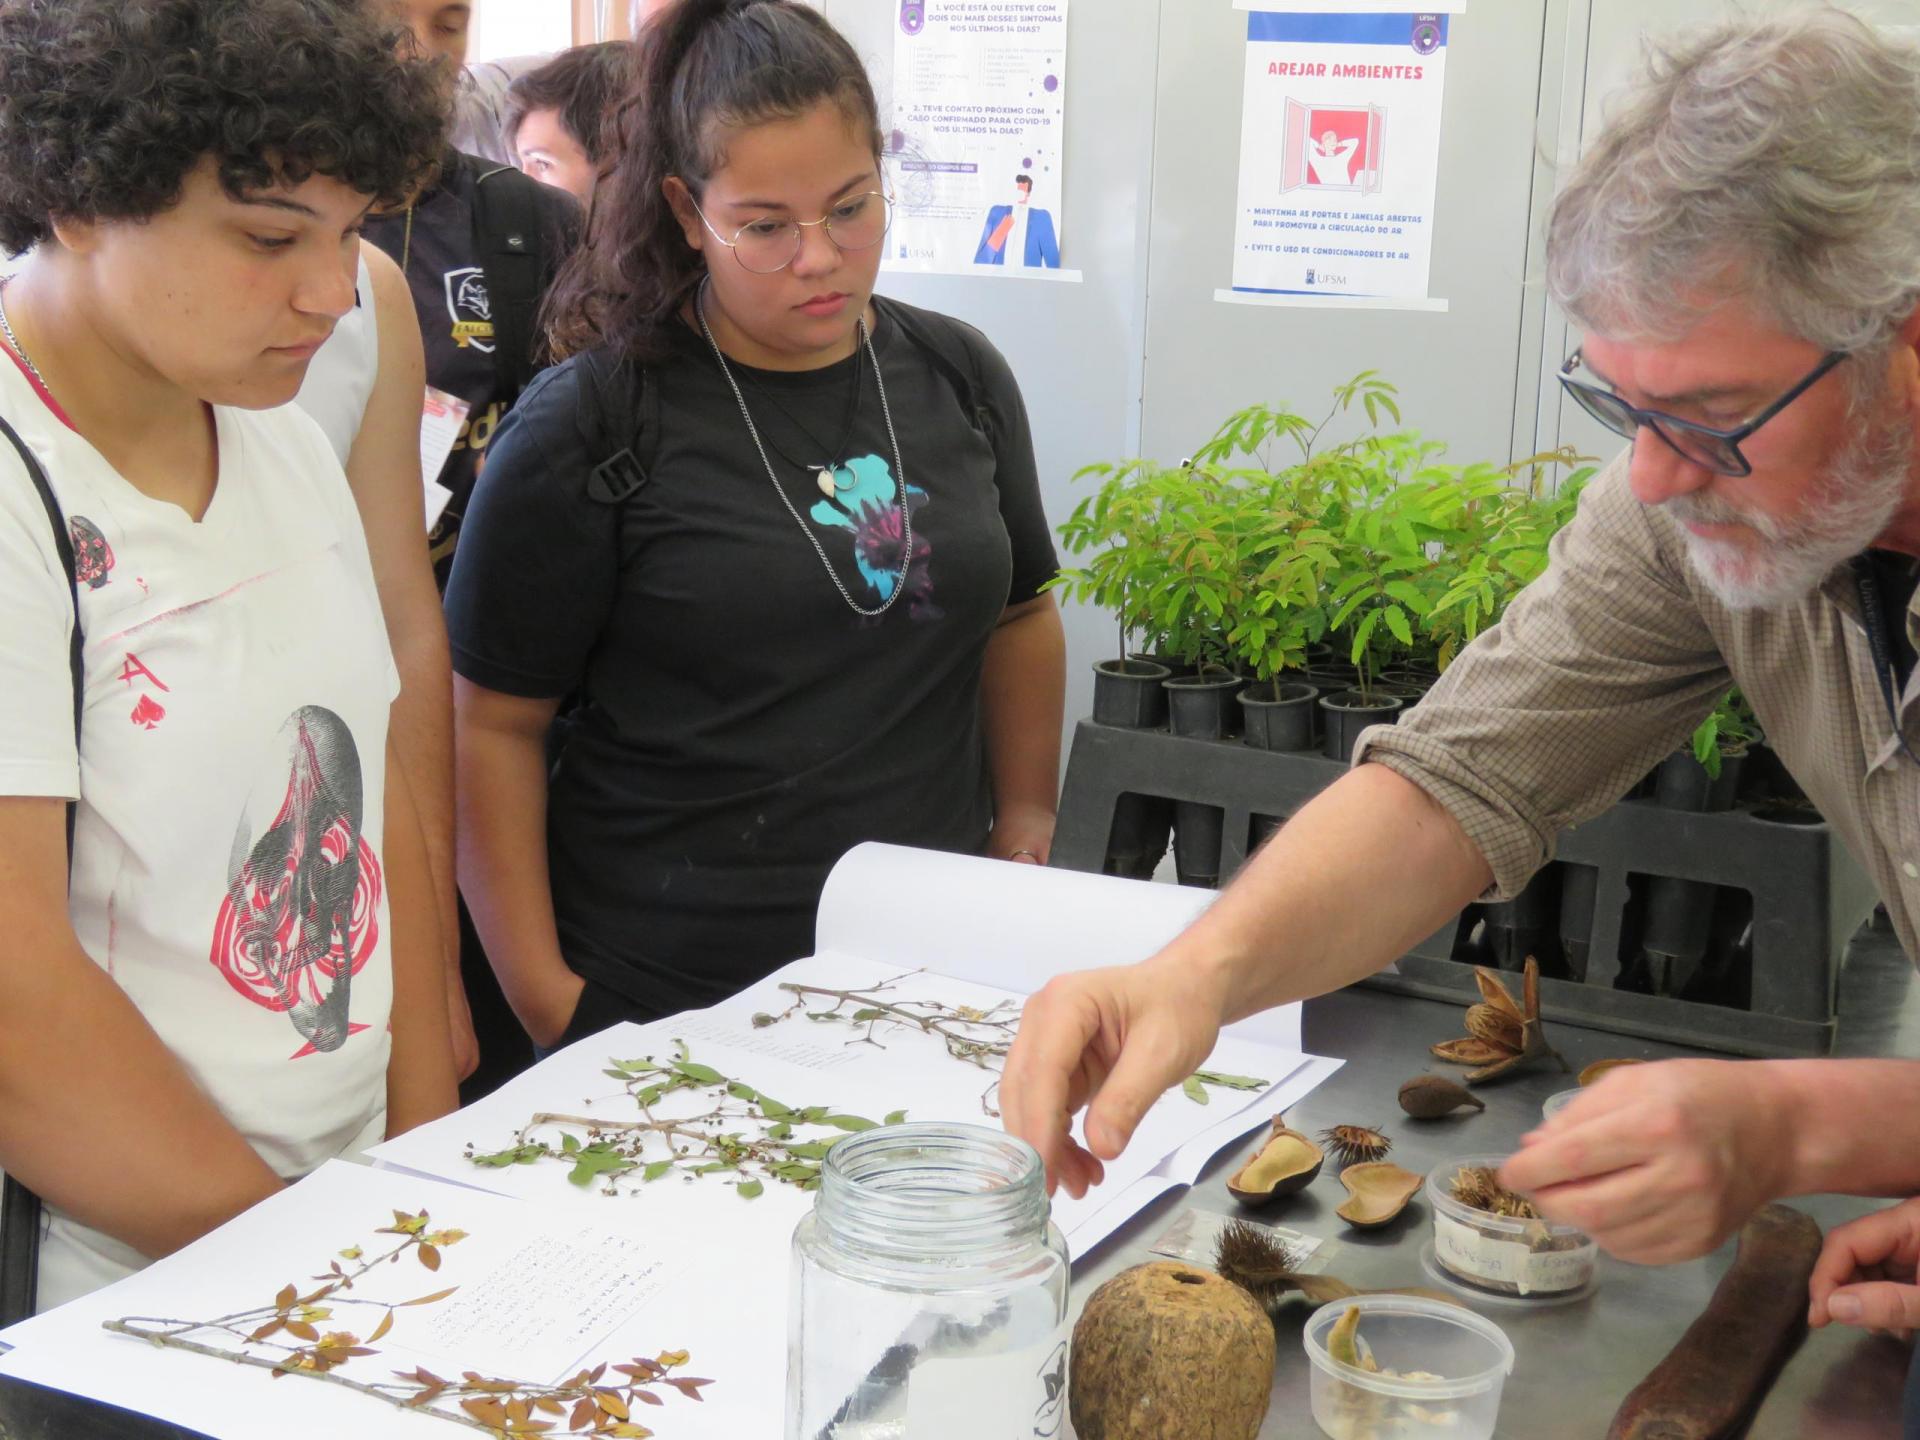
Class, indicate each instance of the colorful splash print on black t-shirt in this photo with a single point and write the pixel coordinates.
(865, 505)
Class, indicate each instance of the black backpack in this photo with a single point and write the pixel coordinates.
(511, 245)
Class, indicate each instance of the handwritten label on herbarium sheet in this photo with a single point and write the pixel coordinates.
(540, 1312)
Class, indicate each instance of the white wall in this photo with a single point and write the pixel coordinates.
(506, 28)
(1077, 349)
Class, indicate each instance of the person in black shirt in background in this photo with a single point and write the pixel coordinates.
(479, 248)
(779, 539)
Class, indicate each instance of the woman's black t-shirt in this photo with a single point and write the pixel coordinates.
(739, 727)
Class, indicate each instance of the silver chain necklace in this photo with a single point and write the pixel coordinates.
(899, 470)
(6, 329)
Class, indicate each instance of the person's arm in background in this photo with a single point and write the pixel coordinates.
(1024, 676)
(383, 470)
(503, 852)
(420, 1079)
(1022, 699)
(97, 1116)
(532, 592)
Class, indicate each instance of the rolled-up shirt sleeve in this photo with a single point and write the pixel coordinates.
(1598, 670)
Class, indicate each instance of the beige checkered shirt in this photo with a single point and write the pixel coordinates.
(1607, 662)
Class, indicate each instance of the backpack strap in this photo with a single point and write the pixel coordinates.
(619, 415)
(19, 1206)
(955, 358)
(511, 249)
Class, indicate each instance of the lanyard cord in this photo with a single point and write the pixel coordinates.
(1867, 585)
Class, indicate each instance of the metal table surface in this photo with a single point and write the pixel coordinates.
(1574, 1362)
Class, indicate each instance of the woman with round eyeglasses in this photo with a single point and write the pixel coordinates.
(769, 548)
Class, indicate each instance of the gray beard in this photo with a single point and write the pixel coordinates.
(1850, 506)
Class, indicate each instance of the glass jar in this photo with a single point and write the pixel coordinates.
(929, 1292)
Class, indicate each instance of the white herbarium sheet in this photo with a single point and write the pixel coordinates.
(539, 1293)
(976, 148)
(1339, 154)
(948, 929)
(555, 1275)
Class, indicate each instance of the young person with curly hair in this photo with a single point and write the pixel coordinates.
(803, 609)
(222, 964)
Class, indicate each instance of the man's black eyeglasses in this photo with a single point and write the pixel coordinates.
(1715, 450)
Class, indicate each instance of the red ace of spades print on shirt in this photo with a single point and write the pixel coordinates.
(300, 916)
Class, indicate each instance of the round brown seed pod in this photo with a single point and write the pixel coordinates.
(1428, 1097)
(1166, 1351)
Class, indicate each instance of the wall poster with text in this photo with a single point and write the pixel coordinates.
(977, 131)
(1339, 153)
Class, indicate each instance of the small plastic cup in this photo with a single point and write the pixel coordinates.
(1557, 1102)
(1524, 1258)
(1461, 1360)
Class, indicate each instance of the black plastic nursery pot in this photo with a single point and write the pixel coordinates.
(1176, 667)
(1408, 693)
(1201, 706)
(1137, 840)
(1198, 831)
(1527, 924)
(1409, 678)
(1278, 717)
(1345, 713)
(1331, 675)
(1127, 693)
(1682, 783)
(1678, 923)
(1579, 887)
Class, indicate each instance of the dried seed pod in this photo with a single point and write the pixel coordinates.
(1493, 991)
(1468, 1051)
(1355, 1144)
(1376, 1193)
(1284, 1165)
(1713, 1379)
(1428, 1097)
(1478, 1187)
(1257, 1260)
(1600, 1067)
(1166, 1339)
(1343, 1343)
(1495, 1026)
(1490, 1044)
(1267, 1268)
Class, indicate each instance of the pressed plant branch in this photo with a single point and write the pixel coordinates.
(499, 1407)
(746, 1134)
(981, 1038)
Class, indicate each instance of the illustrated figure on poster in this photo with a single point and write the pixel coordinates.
(1331, 159)
(1019, 228)
(1326, 147)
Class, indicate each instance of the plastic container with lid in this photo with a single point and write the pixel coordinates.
(1528, 1259)
(1449, 1366)
(1558, 1101)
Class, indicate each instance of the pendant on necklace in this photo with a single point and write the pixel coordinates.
(823, 477)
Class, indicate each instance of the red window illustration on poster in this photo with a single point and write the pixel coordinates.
(1333, 147)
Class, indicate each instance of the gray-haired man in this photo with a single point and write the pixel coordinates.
(1740, 249)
